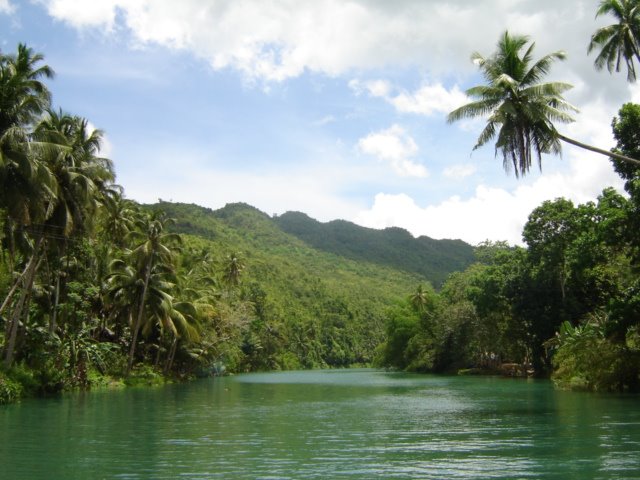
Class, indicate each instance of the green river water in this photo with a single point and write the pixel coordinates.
(325, 424)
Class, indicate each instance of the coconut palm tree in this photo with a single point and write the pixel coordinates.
(82, 175)
(232, 269)
(24, 180)
(521, 110)
(26, 185)
(151, 253)
(620, 42)
(420, 299)
(23, 96)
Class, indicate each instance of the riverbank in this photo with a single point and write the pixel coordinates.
(21, 382)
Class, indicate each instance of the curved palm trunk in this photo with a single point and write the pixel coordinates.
(136, 328)
(607, 153)
(14, 288)
(28, 278)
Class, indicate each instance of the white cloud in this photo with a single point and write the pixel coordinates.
(491, 213)
(459, 171)
(97, 13)
(375, 88)
(395, 146)
(106, 147)
(427, 100)
(281, 39)
(7, 7)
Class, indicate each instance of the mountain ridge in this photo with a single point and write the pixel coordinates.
(392, 247)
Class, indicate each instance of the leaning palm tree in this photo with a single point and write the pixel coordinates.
(618, 42)
(521, 110)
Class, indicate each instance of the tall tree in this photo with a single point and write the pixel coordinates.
(618, 43)
(23, 179)
(152, 252)
(26, 185)
(23, 96)
(521, 109)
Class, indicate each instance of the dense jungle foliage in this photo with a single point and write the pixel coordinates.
(567, 305)
(395, 247)
(99, 290)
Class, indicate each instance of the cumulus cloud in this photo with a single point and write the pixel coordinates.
(491, 213)
(7, 7)
(427, 100)
(282, 39)
(97, 13)
(395, 146)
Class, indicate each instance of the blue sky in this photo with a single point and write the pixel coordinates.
(336, 108)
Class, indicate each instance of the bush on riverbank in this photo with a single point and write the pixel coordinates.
(10, 390)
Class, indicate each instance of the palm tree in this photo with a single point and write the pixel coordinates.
(23, 97)
(82, 176)
(232, 269)
(420, 299)
(521, 110)
(619, 42)
(117, 217)
(24, 181)
(26, 185)
(152, 252)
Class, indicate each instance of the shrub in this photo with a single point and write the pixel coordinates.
(586, 360)
(10, 390)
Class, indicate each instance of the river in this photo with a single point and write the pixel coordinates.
(325, 424)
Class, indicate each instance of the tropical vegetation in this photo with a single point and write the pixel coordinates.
(99, 290)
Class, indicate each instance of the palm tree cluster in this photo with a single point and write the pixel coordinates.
(82, 264)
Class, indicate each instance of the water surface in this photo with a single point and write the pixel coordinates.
(325, 424)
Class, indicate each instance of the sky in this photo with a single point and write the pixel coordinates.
(335, 108)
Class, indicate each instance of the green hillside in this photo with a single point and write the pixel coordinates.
(394, 247)
(310, 307)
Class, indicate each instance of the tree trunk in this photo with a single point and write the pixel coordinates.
(15, 286)
(12, 326)
(136, 328)
(607, 153)
(172, 354)
(54, 314)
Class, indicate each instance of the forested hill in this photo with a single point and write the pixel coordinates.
(394, 247)
(293, 306)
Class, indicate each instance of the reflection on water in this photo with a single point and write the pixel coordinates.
(325, 424)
